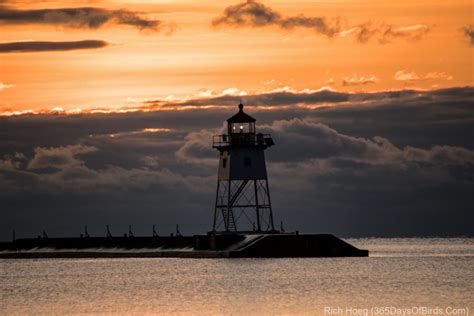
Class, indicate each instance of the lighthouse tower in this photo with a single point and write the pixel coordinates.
(243, 197)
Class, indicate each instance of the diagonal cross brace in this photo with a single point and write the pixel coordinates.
(238, 192)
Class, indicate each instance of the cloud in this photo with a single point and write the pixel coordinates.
(469, 33)
(410, 33)
(196, 149)
(386, 33)
(4, 86)
(404, 75)
(362, 32)
(64, 169)
(86, 17)
(11, 162)
(438, 75)
(355, 80)
(43, 46)
(151, 161)
(254, 14)
(321, 141)
(59, 157)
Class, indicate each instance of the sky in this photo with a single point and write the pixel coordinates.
(107, 111)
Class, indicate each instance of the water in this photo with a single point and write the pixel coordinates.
(435, 274)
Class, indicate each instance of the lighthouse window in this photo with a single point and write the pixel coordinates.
(247, 162)
(224, 162)
(242, 127)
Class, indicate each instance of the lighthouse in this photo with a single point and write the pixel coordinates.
(243, 197)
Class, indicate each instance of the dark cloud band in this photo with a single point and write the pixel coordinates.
(86, 17)
(328, 97)
(43, 46)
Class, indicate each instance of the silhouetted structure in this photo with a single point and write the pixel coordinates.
(243, 195)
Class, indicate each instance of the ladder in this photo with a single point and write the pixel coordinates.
(229, 220)
(227, 213)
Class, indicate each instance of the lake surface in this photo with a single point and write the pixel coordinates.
(428, 276)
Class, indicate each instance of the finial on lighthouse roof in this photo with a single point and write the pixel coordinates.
(241, 116)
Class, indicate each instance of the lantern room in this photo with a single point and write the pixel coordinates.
(241, 123)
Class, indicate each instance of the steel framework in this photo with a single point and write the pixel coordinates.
(243, 205)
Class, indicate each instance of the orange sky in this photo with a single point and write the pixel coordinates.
(197, 57)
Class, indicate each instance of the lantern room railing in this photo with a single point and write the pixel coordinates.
(242, 140)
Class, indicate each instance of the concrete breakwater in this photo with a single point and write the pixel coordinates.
(197, 246)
